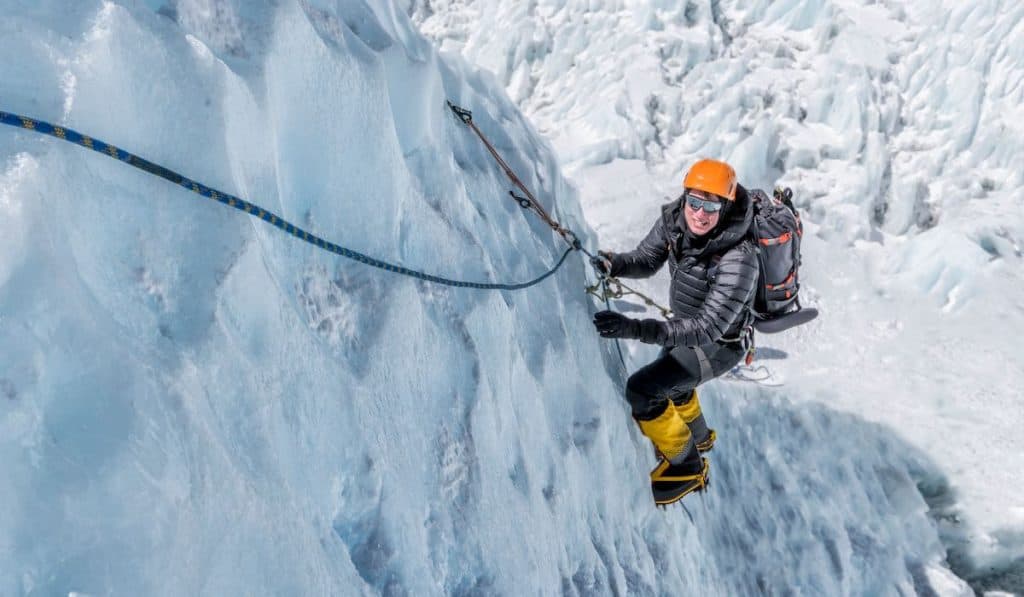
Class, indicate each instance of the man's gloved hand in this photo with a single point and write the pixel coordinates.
(616, 325)
(602, 262)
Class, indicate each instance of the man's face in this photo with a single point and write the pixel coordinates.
(699, 221)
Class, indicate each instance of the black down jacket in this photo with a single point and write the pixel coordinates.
(713, 277)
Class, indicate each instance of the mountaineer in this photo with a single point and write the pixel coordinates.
(706, 238)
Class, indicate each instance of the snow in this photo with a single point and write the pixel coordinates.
(897, 125)
(194, 403)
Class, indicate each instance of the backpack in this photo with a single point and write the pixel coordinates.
(778, 231)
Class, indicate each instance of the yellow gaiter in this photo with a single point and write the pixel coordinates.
(668, 432)
(690, 410)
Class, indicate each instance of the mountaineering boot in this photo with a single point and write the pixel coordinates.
(681, 469)
(671, 482)
(708, 443)
(688, 407)
(702, 446)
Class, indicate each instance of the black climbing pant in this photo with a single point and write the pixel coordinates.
(674, 375)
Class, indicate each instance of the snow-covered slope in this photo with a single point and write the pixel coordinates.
(898, 124)
(193, 403)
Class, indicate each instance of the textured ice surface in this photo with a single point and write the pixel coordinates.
(193, 403)
(898, 124)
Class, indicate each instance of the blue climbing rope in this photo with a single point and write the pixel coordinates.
(71, 136)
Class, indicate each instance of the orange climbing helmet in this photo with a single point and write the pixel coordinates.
(712, 176)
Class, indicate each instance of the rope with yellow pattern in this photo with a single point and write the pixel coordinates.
(252, 209)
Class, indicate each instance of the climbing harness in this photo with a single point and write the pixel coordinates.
(71, 136)
(745, 371)
(745, 338)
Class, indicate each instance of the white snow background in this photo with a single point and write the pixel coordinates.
(193, 403)
(900, 127)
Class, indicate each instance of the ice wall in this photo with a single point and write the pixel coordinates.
(193, 403)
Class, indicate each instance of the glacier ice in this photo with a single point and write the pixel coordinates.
(193, 403)
(898, 126)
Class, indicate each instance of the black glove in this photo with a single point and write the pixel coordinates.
(616, 325)
(602, 262)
